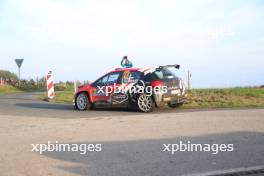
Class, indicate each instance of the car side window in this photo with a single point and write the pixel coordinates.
(112, 78)
(108, 79)
(104, 79)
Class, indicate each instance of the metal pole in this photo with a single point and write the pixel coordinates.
(75, 86)
(189, 80)
(18, 76)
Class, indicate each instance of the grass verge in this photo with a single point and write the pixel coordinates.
(5, 89)
(199, 98)
(60, 96)
(225, 98)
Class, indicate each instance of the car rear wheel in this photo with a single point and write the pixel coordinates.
(82, 102)
(145, 103)
(174, 105)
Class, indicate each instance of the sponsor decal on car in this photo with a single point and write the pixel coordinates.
(120, 97)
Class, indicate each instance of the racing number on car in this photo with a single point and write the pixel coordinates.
(126, 76)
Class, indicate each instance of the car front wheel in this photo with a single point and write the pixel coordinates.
(82, 102)
(145, 103)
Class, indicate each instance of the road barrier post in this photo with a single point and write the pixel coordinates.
(50, 85)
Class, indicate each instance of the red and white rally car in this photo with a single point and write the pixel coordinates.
(144, 88)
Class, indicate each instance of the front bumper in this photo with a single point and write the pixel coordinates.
(74, 101)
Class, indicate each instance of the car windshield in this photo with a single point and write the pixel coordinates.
(166, 73)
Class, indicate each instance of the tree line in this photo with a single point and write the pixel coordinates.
(9, 78)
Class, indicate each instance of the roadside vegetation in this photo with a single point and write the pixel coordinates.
(9, 83)
(198, 98)
(64, 96)
(225, 98)
(4, 89)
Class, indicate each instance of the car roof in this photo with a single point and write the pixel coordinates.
(125, 69)
(144, 70)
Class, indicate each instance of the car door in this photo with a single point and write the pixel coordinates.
(104, 87)
(127, 81)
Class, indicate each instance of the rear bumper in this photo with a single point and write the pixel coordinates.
(162, 99)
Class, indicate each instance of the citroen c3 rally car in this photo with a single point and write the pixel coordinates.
(133, 87)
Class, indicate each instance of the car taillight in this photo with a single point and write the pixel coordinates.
(157, 83)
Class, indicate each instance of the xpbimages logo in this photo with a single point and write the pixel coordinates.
(131, 88)
(192, 147)
(63, 147)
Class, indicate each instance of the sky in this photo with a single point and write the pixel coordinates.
(220, 41)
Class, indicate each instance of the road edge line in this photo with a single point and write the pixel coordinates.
(228, 171)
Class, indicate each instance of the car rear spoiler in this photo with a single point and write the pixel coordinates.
(168, 66)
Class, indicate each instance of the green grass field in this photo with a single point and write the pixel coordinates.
(200, 98)
(5, 89)
(225, 98)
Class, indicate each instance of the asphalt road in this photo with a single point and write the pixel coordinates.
(132, 142)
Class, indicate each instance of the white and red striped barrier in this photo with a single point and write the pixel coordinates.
(50, 85)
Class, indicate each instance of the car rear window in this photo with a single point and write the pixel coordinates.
(165, 73)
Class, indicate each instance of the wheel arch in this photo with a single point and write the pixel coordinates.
(90, 104)
(152, 97)
(84, 91)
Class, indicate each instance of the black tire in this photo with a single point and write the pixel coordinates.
(175, 105)
(145, 103)
(82, 102)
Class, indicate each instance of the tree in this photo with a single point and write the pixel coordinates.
(9, 77)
